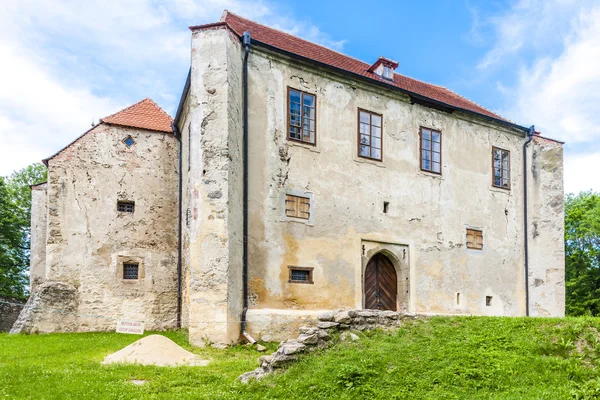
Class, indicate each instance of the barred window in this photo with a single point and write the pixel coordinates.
(474, 239)
(130, 271)
(501, 168)
(300, 275)
(302, 116)
(297, 207)
(431, 150)
(370, 140)
(125, 206)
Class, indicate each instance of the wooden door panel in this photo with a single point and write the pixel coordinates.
(381, 284)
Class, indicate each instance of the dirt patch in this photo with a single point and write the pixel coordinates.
(155, 350)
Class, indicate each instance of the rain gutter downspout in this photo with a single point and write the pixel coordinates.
(530, 134)
(246, 39)
(179, 227)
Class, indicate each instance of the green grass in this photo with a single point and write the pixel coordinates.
(437, 358)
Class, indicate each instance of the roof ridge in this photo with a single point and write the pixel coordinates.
(227, 12)
(125, 109)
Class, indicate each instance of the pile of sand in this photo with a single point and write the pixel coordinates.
(154, 350)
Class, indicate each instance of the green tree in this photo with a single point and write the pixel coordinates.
(15, 215)
(582, 247)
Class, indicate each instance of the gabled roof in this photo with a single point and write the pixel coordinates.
(145, 114)
(308, 50)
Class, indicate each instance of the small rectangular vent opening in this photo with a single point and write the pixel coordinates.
(458, 299)
(488, 301)
(301, 275)
(130, 271)
(125, 206)
(386, 206)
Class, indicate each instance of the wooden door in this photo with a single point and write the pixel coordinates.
(381, 284)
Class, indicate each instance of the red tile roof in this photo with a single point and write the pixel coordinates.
(306, 49)
(145, 114)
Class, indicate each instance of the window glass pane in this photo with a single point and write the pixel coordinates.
(311, 113)
(365, 140)
(294, 96)
(497, 172)
(312, 125)
(376, 120)
(376, 132)
(364, 117)
(364, 151)
(435, 167)
(505, 163)
(505, 182)
(376, 153)
(294, 120)
(309, 100)
(311, 137)
(436, 157)
(436, 147)
(435, 136)
(426, 155)
(426, 134)
(496, 164)
(426, 145)
(295, 133)
(295, 108)
(305, 124)
(426, 164)
(364, 129)
(497, 180)
(376, 143)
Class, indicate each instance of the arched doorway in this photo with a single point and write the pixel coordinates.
(381, 284)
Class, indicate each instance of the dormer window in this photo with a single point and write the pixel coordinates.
(384, 67)
(388, 72)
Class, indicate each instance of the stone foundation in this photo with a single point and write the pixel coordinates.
(51, 308)
(319, 336)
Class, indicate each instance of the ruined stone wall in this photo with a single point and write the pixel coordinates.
(37, 258)
(546, 228)
(89, 240)
(9, 312)
(428, 214)
(215, 188)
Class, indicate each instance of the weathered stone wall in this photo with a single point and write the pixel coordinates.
(215, 188)
(89, 240)
(9, 312)
(546, 228)
(37, 258)
(428, 214)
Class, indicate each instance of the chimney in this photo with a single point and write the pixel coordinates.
(384, 67)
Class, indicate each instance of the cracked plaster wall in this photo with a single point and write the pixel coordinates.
(88, 239)
(37, 258)
(427, 213)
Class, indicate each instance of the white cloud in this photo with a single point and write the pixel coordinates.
(66, 62)
(558, 88)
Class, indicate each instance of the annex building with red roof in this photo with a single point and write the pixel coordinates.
(291, 181)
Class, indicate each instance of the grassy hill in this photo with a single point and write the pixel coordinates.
(435, 358)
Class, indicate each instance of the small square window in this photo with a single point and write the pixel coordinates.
(474, 239)
(129, 141)
(301, 275)
(125, 206)
(130, 271)
(297, 207)
(488, 301)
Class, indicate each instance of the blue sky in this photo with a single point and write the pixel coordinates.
(66, 62)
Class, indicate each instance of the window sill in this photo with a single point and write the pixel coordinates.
(500, 190)
(431, 174)
(297, 221)
(310, 147)
(362, 160)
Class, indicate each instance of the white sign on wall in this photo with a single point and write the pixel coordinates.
(133, 327)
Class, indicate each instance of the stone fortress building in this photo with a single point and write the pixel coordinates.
(365, 189)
